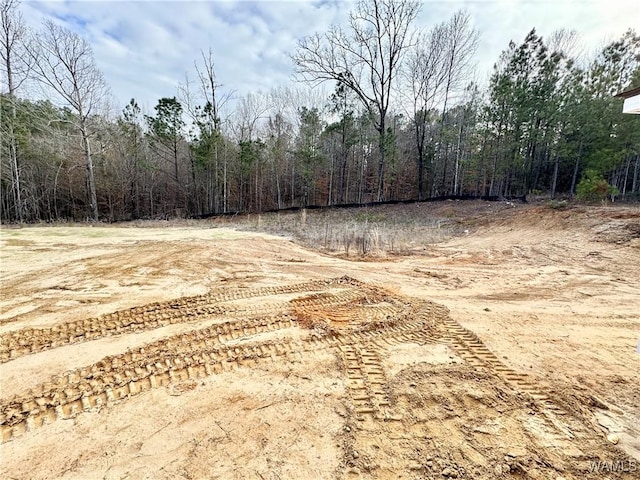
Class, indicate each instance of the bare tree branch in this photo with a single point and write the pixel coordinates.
(365, 58)
(63, 62)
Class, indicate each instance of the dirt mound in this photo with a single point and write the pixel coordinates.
(620, 224)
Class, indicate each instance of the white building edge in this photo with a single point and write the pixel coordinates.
(631, 100)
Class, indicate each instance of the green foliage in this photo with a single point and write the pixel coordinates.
(168, 123)
(249, 154)
(204, 148)
(593, 187)
(309, 150)
(544, 122)
(367, 217)
(557, 204)
(604, 160)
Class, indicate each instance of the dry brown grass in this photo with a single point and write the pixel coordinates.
(360, 232)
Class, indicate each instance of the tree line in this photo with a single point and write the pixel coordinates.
(404, 120)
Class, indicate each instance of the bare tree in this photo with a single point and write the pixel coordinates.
(251, 119)
(460, 46)
(365, 57)
(250, 110)
(15, 65)
(211, 121)
(566, 42)
(64, 63)
(425, 74)
(209, 87)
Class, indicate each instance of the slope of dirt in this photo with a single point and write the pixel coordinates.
(187, 351)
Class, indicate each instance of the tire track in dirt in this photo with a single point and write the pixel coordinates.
(366, 382)
(192, 355)
(377, 417)
(378, 321)
(148, 317)
(117, 378)
(557, 422)
(473, 350)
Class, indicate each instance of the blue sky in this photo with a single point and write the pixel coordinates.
(145, 48)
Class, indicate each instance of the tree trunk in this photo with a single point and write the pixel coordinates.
(634, 185)
(15, 169)
(363, 167)
(457, 163)
(626, 176)
(554, 181)
(225, 186)
(576, 167)
(89, 166)
(13, 152)
(382, 151)
(331, 169)
(421, 172)
(55, 192)
(420, 130)
(277, 177)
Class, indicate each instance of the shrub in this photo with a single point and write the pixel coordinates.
(557, 204)
(593, 187)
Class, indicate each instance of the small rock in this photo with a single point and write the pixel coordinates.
(498, 470)
(449, 472)
(613, 438)
(476, 395)
(347, 428)
(506, 469)
(355, 454)
(514, 452)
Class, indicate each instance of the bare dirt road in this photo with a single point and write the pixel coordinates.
(193, 351)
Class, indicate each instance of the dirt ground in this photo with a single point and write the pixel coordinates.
(190, 350)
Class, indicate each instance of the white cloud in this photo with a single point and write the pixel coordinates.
(145, 48)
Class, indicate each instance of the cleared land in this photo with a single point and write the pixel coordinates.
(479, 341)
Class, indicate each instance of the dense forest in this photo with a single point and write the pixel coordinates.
(403, 119)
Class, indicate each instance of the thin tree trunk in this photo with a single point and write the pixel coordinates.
(293, 182)
(277, 177)
(420, 130)
(89, 166)
(457, 163)
(626, 175)
(330, 198)
(634, 185)
(576, 167)
(15, 173)
(225, 187)
(382, 150)
(55, 192)
(554, 182)
(361, 184)
(13, 152)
